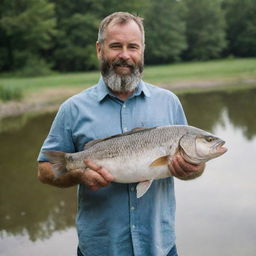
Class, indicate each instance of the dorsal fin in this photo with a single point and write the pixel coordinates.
(135, 130)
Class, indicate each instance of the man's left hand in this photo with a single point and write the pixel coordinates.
(181, 169)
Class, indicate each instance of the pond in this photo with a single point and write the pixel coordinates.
(215, 213)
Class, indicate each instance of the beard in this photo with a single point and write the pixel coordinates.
(121, 82)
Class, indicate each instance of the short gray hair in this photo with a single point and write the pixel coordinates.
(119, 18)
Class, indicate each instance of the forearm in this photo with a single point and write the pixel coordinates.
(46, 175)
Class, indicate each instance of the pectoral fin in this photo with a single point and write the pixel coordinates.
(143, 187)
(163, 160)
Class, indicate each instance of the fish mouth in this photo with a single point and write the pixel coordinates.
(219, 147)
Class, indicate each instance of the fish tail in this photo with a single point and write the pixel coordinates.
(58, 161)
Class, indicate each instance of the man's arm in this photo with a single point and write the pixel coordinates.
(94, 177)
(183, 170)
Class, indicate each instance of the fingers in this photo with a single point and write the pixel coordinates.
(182, 169)
(176, 168)
(99, 169)
(96, 177)
(93, 180)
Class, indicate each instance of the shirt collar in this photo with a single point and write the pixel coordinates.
(103, 91)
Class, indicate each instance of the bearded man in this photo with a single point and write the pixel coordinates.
(111, 221)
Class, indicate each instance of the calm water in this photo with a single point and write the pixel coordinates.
(215, 213)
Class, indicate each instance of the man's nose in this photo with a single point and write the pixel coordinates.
(124, 54)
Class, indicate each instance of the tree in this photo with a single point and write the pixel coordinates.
(165, 31)
(241, 27)
(205, 29)
(26, 29)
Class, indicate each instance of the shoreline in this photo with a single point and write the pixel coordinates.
(50, 99)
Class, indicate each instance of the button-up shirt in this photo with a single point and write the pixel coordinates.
(112, 221)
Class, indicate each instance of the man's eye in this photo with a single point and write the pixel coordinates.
(133, 46)
(115, 46)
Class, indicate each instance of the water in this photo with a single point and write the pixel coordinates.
(215, 213)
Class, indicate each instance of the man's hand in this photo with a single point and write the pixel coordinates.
(95, 177)
(183, 170)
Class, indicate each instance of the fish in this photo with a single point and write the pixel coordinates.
(142, 154)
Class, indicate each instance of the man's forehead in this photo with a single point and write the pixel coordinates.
(129, 29)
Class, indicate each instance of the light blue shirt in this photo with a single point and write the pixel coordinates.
(112, 221)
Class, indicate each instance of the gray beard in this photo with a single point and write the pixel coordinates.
(121, 83)
(125, 83)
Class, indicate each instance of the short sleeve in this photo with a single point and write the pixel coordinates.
(60, 135)
(180, 117)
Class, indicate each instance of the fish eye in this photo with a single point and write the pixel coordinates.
(209, 138)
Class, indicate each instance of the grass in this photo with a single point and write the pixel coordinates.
(235, 69)
(224, 71)
(8, 93)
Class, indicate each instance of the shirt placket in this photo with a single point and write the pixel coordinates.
(133, 219)
(125, 119)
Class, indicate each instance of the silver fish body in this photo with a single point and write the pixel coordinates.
(143, 154)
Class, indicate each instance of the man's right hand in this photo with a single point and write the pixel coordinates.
(95, 176)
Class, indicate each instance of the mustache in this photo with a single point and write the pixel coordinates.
(106, 65)
(123, 63)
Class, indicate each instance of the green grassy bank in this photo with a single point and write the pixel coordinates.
(183, 75)
(226, 70)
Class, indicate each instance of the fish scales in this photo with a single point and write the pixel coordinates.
(142, 155)
(134, 143)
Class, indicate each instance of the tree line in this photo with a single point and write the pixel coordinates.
(41, 35)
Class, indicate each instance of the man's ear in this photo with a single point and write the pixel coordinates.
(98, 49)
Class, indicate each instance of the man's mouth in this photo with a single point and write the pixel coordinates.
(122, 63)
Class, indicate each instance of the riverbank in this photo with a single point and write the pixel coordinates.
(47, 93)
(50, 99)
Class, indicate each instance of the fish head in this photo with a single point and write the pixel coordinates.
(198, 149)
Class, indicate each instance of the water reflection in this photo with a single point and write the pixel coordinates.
(216, 212)
(33, 210)
(205, 110)
(27, 205)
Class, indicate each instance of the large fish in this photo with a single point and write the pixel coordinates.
(142, 155)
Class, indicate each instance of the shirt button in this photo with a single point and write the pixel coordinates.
(124, 106)
(132, 208)
(133, 226)
(132, 189)
(125, 129)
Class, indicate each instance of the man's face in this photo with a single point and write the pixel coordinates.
(121, 56)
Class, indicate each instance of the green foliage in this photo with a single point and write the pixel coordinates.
(35, 66)
(165, 33)
(241, 29)
(205, 30)
(10, 93)
(39, 35)
(75, 43)
(26, 29)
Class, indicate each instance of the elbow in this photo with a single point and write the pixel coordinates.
(44, 173)
(40, 177)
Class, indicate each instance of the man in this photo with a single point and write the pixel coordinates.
(111, 220)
